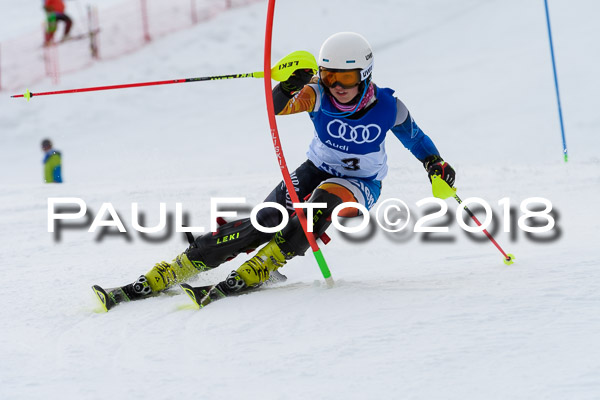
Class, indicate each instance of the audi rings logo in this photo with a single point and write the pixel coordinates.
(358, 134)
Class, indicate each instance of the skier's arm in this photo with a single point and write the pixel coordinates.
(411, 136)
(292, 96)
(421, 146)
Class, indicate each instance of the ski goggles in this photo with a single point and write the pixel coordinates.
(346, 78)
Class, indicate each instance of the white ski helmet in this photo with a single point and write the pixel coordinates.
(347, 50)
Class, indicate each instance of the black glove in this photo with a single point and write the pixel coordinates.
(296, 81)
(435, 165)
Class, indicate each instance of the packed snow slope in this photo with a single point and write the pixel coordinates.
(410, 316)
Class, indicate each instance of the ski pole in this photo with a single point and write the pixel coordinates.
(280, 72)
(442, 190)
(278, 148)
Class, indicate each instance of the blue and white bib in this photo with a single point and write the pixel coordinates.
(352, 147)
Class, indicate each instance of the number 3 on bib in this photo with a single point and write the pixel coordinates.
(351, 164)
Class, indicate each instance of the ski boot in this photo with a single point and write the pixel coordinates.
(262, 268)
(204, 253)
(163, 276)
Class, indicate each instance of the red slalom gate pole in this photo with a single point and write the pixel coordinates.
(279, 152)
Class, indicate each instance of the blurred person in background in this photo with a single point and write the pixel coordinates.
(52, 163)
(55, 11)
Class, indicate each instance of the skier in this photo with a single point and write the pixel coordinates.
(52, 163)
(55, 11)
(346, 163)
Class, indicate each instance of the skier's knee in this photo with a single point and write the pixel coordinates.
(292, 239)
(269, 217)
(342, 194)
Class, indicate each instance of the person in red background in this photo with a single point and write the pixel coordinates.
(55, 11)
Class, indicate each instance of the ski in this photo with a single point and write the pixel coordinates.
(204, 295)
(70, 38)
(112, 297)
(80, 36)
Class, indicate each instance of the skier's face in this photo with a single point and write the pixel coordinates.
(343, 95)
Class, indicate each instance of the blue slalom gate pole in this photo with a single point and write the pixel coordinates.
(562, 127)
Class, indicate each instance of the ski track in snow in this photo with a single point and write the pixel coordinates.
(407, 319)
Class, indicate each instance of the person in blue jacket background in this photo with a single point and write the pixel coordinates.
(52, 163)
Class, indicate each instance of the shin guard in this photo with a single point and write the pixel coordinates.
(213, 249)
(291, 239)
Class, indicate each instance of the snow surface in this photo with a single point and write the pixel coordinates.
(407, 319)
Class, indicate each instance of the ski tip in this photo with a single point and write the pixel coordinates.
(510, 259)
(190, 292)
(102, 296)
(187, 307)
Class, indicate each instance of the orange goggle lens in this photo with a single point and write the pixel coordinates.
(346, 78)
